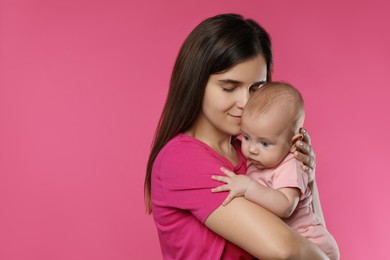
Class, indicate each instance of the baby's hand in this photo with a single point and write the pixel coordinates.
(237, 184)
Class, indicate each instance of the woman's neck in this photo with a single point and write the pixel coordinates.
(218, 141)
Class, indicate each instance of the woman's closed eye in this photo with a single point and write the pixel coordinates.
(229, 89)
(228, 85)
(256, 86)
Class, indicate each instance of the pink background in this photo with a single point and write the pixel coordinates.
(82, 84)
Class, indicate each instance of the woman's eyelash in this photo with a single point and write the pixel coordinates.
(228, 89)
(256, 86)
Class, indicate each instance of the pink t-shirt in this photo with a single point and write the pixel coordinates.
(182, 200)
(289, 173)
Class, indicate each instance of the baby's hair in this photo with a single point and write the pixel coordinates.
(277, 94)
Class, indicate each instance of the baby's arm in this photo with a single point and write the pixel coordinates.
(281, 202)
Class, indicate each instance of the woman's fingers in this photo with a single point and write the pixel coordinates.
(305, 152)
(306, 169)
(311, 175)
(306, 137)
(305, 148)
(307, 157)
(308, 162)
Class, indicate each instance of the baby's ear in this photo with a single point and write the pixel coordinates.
(294, 140)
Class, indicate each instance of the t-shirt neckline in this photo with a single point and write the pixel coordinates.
(206, 146)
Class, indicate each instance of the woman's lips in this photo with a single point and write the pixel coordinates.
(236, 117)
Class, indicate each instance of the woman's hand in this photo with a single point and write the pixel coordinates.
(237, 184)
(305, 154)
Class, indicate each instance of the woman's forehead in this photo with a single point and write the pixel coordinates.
(249, 71)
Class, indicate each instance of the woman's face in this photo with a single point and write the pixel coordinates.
(227, 93)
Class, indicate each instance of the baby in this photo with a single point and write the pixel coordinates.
(270, 126)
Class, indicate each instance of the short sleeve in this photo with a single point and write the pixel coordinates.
(182, 178)
(290, 174)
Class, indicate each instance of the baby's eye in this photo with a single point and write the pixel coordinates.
(264, 143)
(245, 137)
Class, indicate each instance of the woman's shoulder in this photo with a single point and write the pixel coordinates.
(185, 144)
(185, 149)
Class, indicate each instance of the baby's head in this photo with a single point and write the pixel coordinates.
(270, 124)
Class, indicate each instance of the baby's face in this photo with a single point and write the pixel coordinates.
(266, 138)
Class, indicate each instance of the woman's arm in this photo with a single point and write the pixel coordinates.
(316, 204)
(260, 232)
(305, 154)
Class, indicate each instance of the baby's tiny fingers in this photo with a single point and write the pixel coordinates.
(220, 178)
(219, 188)
(227, 172)
(228, 199)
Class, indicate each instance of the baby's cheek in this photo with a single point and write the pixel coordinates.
(244, 149)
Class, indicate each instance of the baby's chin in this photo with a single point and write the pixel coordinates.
(257, 164)
(262, 166)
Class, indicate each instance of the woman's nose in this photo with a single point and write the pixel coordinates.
(243, 98)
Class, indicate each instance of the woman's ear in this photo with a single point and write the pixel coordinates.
(294, 140)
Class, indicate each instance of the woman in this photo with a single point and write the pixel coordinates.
(220, 63)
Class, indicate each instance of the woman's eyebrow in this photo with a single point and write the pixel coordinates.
(230, 81)
(236, 82)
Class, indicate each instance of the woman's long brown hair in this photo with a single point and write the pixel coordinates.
(214, 46)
